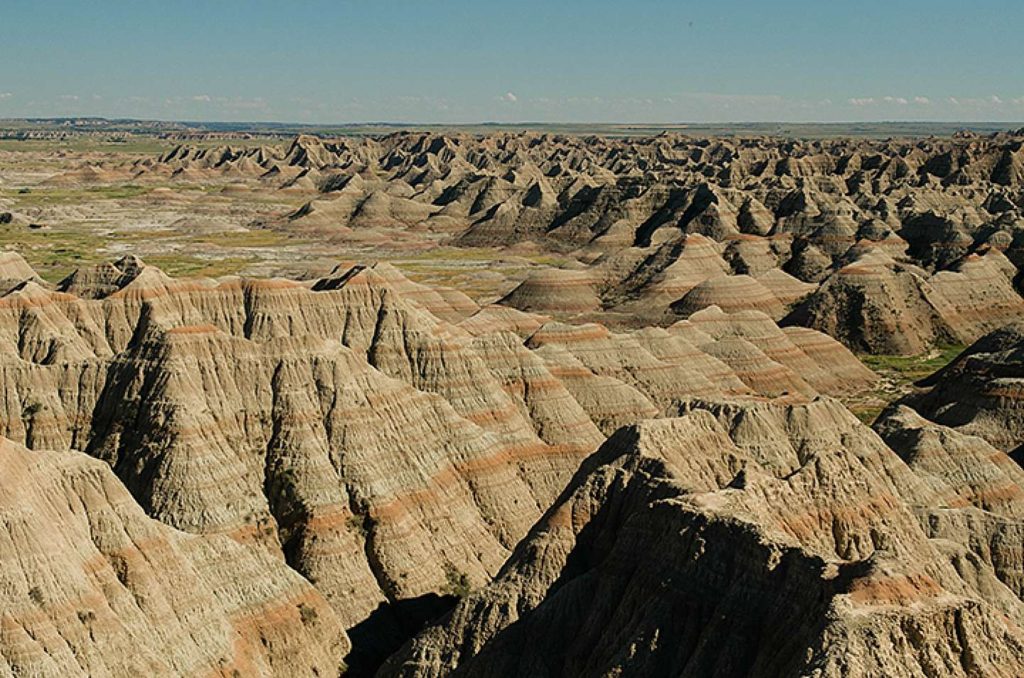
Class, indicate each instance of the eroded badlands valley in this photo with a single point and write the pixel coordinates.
(512, 404)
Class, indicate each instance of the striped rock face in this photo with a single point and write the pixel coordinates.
(92, 586)
(877, 304)
(389, 442)
(272, 477)
(555, 291)
(756, 540)
(615, 451)
(890, 246)
(980, 393)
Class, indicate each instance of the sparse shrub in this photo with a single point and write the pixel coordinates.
(264, 524)
(357, 524)
(308, 614)
(36, 594)
(458, 582)
(286, 484)
(86, 616)
(31, 409)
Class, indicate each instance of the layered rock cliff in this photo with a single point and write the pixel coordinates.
(980, 391)
(745, 540)
(894, 245)
(380, 438)
(91, 586)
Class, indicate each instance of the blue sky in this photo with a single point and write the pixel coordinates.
(461, 61)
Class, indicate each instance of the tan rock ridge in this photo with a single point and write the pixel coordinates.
(877, 304)
(661, 219)
(980, 392)
(377, 436)
(93, 587)
(555, 290)
(14, 271)
(979, 474)
(705, 545)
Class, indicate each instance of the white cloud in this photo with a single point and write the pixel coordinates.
(68, 97)
(509, 97)
(923, 101)
(989, 102)
(862, 101)
(6, 95)
(201, 97)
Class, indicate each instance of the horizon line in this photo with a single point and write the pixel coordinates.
(495, 123)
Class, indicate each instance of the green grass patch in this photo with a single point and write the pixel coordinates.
(186, 266)
(867, 414)
(250, 238)
(898, 375)
(53, 253)
(909, 369)
(39, 196)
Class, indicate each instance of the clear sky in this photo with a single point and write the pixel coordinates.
(530, 60)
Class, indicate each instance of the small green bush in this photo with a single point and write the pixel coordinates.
(458, 582)
(357, 524)
(308, 614)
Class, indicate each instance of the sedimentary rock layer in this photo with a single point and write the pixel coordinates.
(378, 437)
(903, 243)
(709, 545)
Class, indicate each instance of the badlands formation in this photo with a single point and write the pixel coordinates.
(633, 458)
(889, 246)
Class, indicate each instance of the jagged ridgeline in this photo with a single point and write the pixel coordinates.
(890, 246)
(270, 477)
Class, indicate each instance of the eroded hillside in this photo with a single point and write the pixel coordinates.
(890, 246)
(616, 442)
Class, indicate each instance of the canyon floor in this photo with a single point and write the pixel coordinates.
(543, 402)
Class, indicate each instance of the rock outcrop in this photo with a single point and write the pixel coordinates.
(980, 392)
(630, 464)
(94, 587)
(901, 243)
(708, 545)
(878, 305)
(376, 436)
